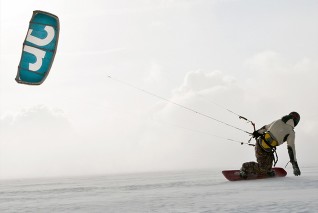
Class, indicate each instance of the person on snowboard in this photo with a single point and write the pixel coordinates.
(267, 138)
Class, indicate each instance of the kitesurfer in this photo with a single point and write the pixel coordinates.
(267, 139)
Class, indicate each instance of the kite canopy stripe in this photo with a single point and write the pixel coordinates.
(39, 48)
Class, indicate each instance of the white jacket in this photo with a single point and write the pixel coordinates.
(282, 132)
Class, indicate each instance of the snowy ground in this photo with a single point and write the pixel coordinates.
(187, 191)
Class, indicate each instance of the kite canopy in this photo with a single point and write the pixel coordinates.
(39, 48)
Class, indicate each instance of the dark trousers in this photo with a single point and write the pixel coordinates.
(264, 162)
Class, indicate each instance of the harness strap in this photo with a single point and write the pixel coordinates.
(272, 149)
(275, 157)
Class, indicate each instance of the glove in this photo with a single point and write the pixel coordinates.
(296, 168)
(255, 134)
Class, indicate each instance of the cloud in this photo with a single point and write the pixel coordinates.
(34, 141)
(199, 82)
(188, 140)
(41, 118)
(281, 80)
(209, 91)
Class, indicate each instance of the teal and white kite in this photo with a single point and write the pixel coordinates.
(39, 48)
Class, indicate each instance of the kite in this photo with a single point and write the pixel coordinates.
(39, 48)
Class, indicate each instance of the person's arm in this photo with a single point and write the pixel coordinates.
(260, 131)
(292, 154)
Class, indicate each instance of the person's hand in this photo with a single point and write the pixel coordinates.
(296, 168)
(255, 134)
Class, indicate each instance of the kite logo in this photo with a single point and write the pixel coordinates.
(38, 53)
(39, 48)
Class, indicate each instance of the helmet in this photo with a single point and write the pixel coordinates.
(295, 116)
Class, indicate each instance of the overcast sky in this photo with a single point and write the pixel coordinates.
(256, 58)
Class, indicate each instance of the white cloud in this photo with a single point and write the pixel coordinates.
(280, 80)
(190, 140)
(34, 141)
(198, 81)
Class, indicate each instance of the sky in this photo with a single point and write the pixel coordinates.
(255, 58)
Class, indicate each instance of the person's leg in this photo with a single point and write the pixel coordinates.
(250, 167)
(263, 164)
(264, 160)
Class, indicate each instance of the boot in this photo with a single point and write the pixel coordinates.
(243, 174)
(271, 173)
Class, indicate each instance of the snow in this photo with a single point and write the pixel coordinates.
(178, 191)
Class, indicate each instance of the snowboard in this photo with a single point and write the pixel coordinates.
(234, 175)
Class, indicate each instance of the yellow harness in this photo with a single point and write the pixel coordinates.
(267, 142)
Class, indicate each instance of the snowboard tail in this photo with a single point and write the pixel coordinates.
(234, 175)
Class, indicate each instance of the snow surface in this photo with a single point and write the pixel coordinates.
(182, 191)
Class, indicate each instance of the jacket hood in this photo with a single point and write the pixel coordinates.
(291, 123)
